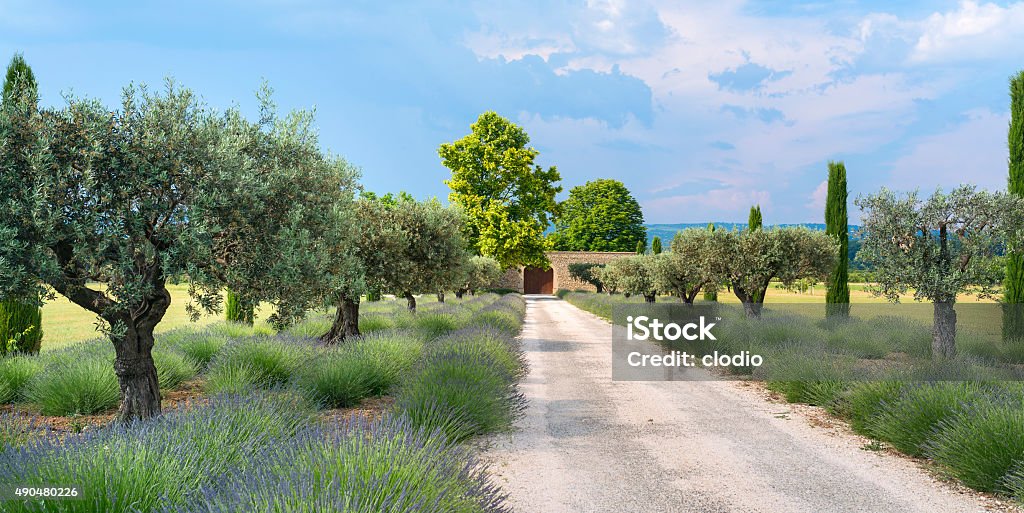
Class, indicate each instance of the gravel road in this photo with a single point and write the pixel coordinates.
(588, 444)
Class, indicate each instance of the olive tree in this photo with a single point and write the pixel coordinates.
(938, 247)
(482, 272)
(635, 275)
(164, 188)
(687, 268)
(588, 272)
(751, 259)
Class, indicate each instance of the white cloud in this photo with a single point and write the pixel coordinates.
(973, 30)
(819, 196)
(974, 151)
(716, 204)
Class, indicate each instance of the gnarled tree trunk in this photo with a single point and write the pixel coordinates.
(944, 330)
(411, 301)
(440, 297)
(650, 298)
(346, 322)
(133, 360)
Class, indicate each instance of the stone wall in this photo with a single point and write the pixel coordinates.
(560, 260)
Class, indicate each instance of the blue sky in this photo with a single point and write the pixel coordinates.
(701, 108)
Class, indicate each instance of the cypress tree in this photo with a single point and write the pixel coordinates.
(641, 247)
(237, 309)
(1013, 290)
(656, 245)
(711, 290)
(837, 297)
(20, 322)
(754, 221)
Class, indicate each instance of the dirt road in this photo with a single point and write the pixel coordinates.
(588, 444)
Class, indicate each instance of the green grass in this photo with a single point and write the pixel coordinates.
(15, 374)
(173, 367)
(273, 360)
(981, 445)
(910, 421)
(69, 386)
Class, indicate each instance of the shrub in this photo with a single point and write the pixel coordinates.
(273, 360)
(981, 444)
(385, 466)
(908, 422)
(309, 328)
(164, 461)
(201, 347)
(173, 367)
(15, 373)
(473, 388)
(233, 378)
(388, 356)
(20, 327)
(75, 385)
(864, 400)
(435, 324)
(335, 379)
(374, 323)
(239, 330)
(1013, 482)
(561, 293)
(486, 343)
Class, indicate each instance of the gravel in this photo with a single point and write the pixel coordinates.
(590, 444)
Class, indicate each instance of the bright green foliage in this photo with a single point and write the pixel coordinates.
(507, 198)
(938, 247)
(754, 220)
(837, 298)
(635, 275)
(641, 247)
(1013, 290)
(656, 246)
(237, 309)
(20, 320)
(20, 327)
(589, 273)
(483, 272)
(601, 215)
(711, 289)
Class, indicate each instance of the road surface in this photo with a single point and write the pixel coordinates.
(589, 444)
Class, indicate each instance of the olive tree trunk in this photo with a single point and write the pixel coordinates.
(440, 297)
(411, 301)
(132, 336)
(944, 331)
(346, 321)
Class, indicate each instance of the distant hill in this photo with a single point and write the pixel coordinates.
(667, 231)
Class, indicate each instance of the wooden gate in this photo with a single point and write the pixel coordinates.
(538, 281)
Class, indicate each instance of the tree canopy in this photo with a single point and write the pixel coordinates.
(601, 215)
(508, 200)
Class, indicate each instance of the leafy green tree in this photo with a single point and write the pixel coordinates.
(754, 220)
(237, 310)
(711, 289)
(641, 247)
(688, 267)
(1013, 290)
(837, 297)
(636, 275)
(164, 188)
(601, 215)
(937, 247)
(750, 260)
(656, 246)
(587, 273)
(505, 196)
(483, 273)
(21, 326)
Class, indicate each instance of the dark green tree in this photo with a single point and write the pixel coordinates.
(837, 297)
(237, 309)
(589, 273)
(507, 199)
(21, 326)
(754, 221)
(641, 247)
(1013, 287)
(601, 215)
(656, 245)
(711, 289)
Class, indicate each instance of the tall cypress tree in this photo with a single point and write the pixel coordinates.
(237, 309)
(656, 245)
(837, 298)
(1013, 290)
(711, 290)
(641, 247)
(754, 221)
(21, 327)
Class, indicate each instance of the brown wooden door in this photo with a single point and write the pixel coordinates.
(538, 281)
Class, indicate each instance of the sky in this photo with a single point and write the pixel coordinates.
(701, 108)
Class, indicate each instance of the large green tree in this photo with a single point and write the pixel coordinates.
(687, 268)
(1013, 290)
(837, 297)
(601, 215)
(21, 327)
(126, 199)
(938, 247)
(508, 200)
(636, 275)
